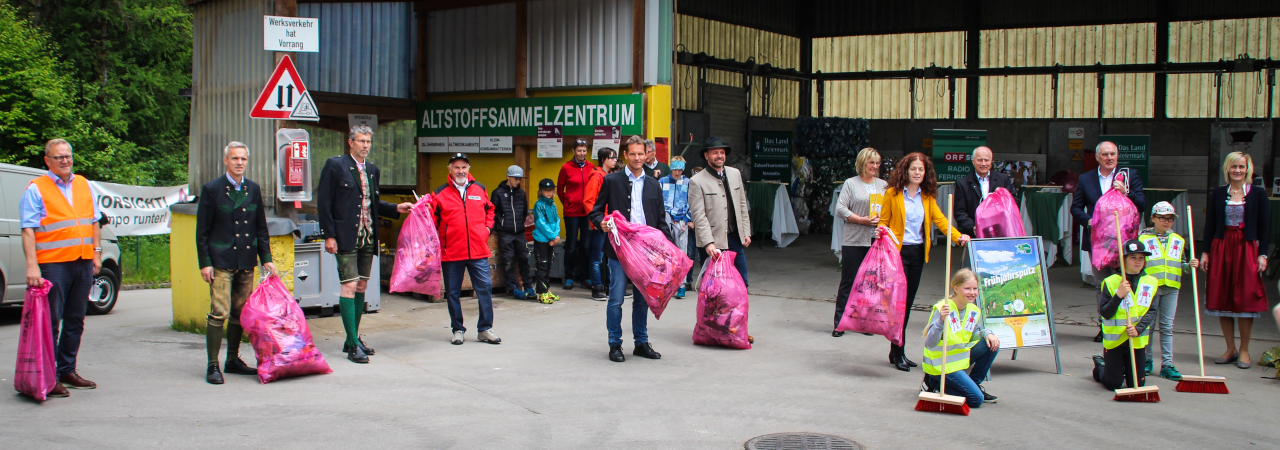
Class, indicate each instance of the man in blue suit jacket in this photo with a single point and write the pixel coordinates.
(1091, 187)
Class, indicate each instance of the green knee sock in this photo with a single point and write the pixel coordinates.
(213, 341)
(234, 333)
(348, 307)
(360, 306)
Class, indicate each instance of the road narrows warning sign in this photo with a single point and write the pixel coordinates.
(285, 97)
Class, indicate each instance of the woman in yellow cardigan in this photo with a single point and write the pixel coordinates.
(909, 216)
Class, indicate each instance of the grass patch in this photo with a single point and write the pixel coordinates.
(144, 259)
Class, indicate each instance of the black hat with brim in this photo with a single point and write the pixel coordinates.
(1135, 247)
(715, 142)
(457, 156)
(546, 183)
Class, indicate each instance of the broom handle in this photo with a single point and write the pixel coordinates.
(946, 321)
(1195, 290)
(1128, 316)
(950, 209)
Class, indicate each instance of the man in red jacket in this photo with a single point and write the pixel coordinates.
(572, 188)
(464, 219)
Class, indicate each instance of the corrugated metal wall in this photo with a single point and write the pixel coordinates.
(889, 99)
(1243, 95)
(473, 49)
(365, 49)
(229, 69)
(723, 40)
(580, 43)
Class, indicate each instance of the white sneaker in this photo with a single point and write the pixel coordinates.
(458, 338)
(488, 336)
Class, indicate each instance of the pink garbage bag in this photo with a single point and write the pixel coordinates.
(1103, 227)
(35, 372)
(279, 334)
(650, 261)
(417, 266)
(998, 216)
(722, 305)
(878, 300)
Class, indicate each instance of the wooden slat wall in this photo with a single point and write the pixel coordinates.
(889, 99)
(723, 40)
(1243, 95)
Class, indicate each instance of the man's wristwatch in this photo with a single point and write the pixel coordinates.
(97, 249)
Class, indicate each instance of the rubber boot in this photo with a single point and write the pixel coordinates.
(213, 342)
(348, 309)
(361, 306)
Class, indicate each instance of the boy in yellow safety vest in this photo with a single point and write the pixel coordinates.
(1168, 256)
(1120, 301)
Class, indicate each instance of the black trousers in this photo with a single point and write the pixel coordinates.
(515, 255)
(913, 264)
(542, 257)
(1116, 372)
(850, 260)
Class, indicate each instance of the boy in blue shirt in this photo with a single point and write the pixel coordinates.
(675, 195)
(546, 233)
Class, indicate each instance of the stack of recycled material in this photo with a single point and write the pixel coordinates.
(831, 146)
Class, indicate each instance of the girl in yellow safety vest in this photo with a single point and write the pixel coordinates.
(1124, 303)
(968, 343)
(1168, 256)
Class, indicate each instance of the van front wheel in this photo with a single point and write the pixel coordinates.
(102, 297)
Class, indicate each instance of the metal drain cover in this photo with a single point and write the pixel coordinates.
(801, 441)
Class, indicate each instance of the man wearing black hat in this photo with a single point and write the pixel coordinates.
(464, 219)
(718, 204)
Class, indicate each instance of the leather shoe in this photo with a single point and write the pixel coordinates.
(837, 333)
(615, 353)
(644, 350)
(74, 381)
(364, 348)
(1098, 338)
(908, 362)
(902, 366)
(214, 376)
(357, 356)
(58, 391)
(238, 366)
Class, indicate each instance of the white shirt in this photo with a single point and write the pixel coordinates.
(233, 181)
(637, 195)
(915, 217)
(1107, 181)
(462, 189)
(984, 183)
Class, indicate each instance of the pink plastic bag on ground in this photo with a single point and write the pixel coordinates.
(650, 261)
(417, 266)
(279, 334)
(1103, 227)
(35, 372)
(878, 300)
(998, 216)
(722, 305)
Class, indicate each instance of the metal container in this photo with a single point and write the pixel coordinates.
(316, 284)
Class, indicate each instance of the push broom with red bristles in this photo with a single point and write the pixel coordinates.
(1148, 394)
(1191, 383)
(941, 402)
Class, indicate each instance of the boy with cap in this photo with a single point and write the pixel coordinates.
(675, 196)
(1165, 264)
(510, 208)
(546, 233)
(1120, 300)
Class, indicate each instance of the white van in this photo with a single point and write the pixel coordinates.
(13, 262)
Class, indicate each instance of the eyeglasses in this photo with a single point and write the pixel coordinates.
(64, 158)
(1162, 218)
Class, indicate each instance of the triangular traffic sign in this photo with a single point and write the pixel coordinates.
(284, 97)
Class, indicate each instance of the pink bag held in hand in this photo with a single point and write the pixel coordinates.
(722, 305)
(1103, 227)
(279, 334)
(650, 261)
(878, 300)
(35, 372)
(417, 267)
(998, 216)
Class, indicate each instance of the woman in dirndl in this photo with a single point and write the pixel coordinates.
(1238, 223)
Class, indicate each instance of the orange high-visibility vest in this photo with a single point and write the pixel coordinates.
(66, 232)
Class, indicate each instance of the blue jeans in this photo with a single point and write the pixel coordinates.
(613, 312)
(966, 384)
(739, 261)
(575, 243)
(1167, 305)
(479, 270)
(595, 256)
(68, 303)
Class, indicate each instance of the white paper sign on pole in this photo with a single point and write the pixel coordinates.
(436, 144)
(496, 144)
(550, 142)
(290, 34)
(369, 120)
(464, 144)
(137, 210)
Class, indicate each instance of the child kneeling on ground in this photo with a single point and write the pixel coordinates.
(546, 233)
(1166, 263)
(967, 341)
(1120, 300)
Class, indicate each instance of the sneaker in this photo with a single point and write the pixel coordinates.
(568, 284)
(924, 384)
(599, 293)
(680, 293)
(529, 294)
(545, 298)
(986, 398)
(1170, 373)
(554, 297)
(458, 338)
(1098, 360)
(518, 294)
(1147, 369)
(489, 337)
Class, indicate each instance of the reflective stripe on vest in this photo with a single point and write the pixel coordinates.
(958, 343)
(1113, 329)
(1163, 264)
(66, 232)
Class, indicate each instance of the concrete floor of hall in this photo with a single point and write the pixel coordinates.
(550, 385)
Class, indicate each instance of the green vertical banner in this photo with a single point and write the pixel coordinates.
(771, 156)
(953, 152)
(1135, 154)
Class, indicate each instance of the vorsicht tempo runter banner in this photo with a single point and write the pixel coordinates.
(953, 152)
(1013, 292)
(138, 210)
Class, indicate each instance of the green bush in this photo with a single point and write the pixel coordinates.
(144, 259)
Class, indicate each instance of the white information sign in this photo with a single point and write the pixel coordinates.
(496, 144)
(550, 141)
(464, 144)
(369, 120)
(1075, 133)
(435, 144)
(290, 34)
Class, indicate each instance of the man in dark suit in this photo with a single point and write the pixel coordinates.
(1091, 187)
(231, 239)
(621, 192)
(347, 199)
(974, 188)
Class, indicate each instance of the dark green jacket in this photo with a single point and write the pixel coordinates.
(231, 227)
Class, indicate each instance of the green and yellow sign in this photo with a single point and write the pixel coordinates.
(577, 116)
(953, 152)
(1135, 153)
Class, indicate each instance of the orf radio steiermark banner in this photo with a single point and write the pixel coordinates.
(953, 152)
(577, 116)
(138, 210)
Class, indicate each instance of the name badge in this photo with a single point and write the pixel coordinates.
(1145, 293)
(955, 323)
(971, 321)
(474, 197)
(1153, 246)
(1175, 247)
